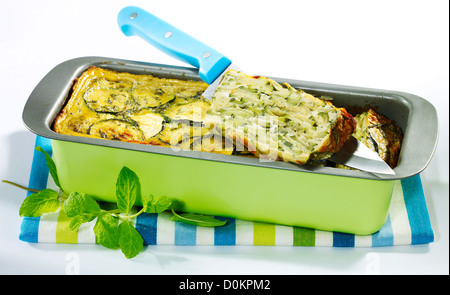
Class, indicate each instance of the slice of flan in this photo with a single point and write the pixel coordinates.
(278, 122)
(380, 134)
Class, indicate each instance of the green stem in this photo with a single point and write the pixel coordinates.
(113, 212)
(21, 186)
(135, 215)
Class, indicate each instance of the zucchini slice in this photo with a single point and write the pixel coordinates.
(176, 133)
(109, 100)
(192, 110)
(116, 129)
(147, 96)
(150, 123)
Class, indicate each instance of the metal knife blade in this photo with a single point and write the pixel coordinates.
(209, 92)
(356, 155)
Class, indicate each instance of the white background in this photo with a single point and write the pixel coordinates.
(394, 45)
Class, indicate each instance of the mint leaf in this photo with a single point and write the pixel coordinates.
(156, 204)
(130, 240)
(51, 166)
(45, 201)
(76, 221)
(197, 219)
(106, 231)
(128, 189)
(79, 204)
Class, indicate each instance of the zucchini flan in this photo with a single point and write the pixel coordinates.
(138, 108)
(248, 115)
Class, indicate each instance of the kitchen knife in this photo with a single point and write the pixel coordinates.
(212, 65)
(356, 155)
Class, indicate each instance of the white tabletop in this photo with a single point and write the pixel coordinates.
(394, 45)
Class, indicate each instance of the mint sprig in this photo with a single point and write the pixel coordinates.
(82, 208)
(130, 241)
(113, 228)
(128, 189)
(106, 231)
(51, 166)
(157, 204)
(44, 201)
(197, 219)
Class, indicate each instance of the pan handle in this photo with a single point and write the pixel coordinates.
(134, 21)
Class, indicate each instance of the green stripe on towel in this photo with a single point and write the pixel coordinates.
(263, 234)
(304, 236)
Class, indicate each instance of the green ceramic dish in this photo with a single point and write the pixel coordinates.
(245, 188)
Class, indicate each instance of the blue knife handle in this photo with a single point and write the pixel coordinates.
(134, 21)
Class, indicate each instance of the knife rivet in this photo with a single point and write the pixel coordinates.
(133, 15)
(206, 54)
(168, 34)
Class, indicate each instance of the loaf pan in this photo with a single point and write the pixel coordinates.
(324, 198)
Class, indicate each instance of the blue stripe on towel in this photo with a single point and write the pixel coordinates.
(343, 240)
(385, 236)
(146, 225)
(419, 220)
(29, 230)
(39, 169)
(225, 235)
(185, 234)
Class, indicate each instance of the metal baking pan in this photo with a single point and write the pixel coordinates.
(324, 198)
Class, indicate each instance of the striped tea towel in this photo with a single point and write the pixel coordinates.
(408, 223)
